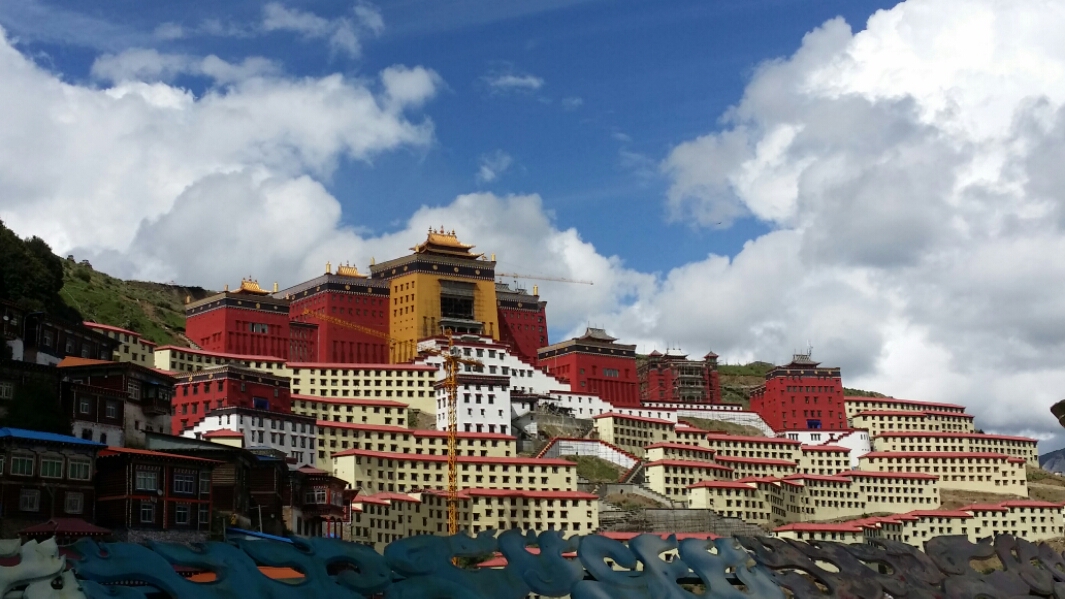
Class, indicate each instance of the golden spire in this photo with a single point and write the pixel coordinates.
(227, 287)
(328, 268)
(275, 286)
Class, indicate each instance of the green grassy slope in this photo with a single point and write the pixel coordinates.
(154, 310)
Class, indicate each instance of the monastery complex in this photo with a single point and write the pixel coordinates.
(342, 378)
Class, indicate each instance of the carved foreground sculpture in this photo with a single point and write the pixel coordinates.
(422, 568)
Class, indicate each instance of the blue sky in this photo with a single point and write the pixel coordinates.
(881, 181)
(645, 75)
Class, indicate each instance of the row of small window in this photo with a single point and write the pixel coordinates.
(182, 513)
(49, 468)
(184, 482)
(220, 387)
(357, 393)
(110, 409)
(356, 382)
(369, 373)
(29, 500)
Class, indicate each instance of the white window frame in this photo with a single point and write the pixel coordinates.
(51, 462)
(133, 389)
(111, 409)
(75, 468)
(22, 459)
(29, 500)
(7, 390)
(141, 477)
(182, 508)
(205, 482)
(74, 502)
(149, 508)
(185, 483)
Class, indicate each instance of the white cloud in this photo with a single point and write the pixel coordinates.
(911, 174)
(343, 33)
(169, 31)
(510, 82)
(90, 168)
(493, 165)
(140, 64)
(572, 103)
(915, 217)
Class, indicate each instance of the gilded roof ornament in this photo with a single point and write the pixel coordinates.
(250, 285)
(443, 241)
(347, 270)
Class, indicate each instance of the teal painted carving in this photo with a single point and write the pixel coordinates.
(648, 567)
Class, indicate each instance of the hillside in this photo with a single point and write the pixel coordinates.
(155, 310)
(737, 381)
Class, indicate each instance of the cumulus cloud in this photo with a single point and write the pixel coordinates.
(909, 173)
(493, 165)
(86, 168)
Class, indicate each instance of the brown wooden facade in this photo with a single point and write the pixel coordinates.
(44, 476)
(151, 490)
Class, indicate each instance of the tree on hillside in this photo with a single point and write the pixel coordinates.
(31, 275)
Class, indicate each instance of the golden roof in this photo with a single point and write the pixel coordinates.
(250, 285)
(347, 270)
(443, 242)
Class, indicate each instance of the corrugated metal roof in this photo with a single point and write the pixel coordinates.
(21, 433)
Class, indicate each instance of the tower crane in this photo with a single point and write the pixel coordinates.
(542, 278)
(453, 359)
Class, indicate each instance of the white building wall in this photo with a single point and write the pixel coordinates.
(265, 429)
(855, 440)
(110, 434)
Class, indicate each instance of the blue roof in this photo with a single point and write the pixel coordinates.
(21, 433)
(259, 535)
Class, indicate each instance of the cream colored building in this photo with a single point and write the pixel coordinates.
(824, 459)
(856, 405)
(731, 499)
(896, 492)
(376, 471)
(334, 437)
(822, 531)
(678, 451)
(672, 478)
(384, 412)
(381, 518)
(688, 435)
(1027, 519)
(633, 433)
(1023, 518)
(886, 421)
(911, 441)
(774, 448)
(744, 467)
(409, 383)
(826, 497)
(986, 472)
(132, 347)
(186, 359)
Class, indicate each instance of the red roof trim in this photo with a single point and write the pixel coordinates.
(115, 451)
(740, 438)
(937, 454)
(928, 434)
(418, 457)
(637, 418)
(688, 463)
